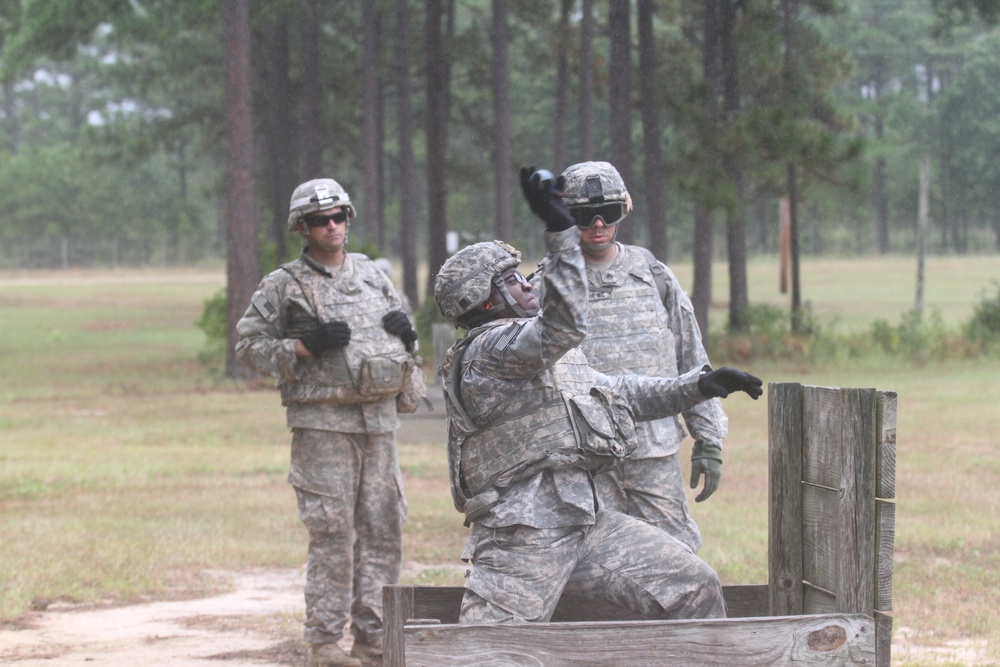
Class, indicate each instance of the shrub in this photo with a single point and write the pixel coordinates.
(983, 328)
(213, 323)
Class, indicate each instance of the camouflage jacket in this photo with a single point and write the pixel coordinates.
(512, 368)
(318, 391)
(633, 330)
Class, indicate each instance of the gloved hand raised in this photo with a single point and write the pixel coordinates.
(722, 382)
(545, 199)
(398, 324)
(706, 459)
(327, 336)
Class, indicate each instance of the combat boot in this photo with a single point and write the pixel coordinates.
(369, 654)
(330, 655)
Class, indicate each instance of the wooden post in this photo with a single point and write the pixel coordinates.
(784, 529)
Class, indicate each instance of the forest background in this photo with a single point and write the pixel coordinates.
(172, 133)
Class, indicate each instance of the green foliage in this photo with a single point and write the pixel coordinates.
(770, 335)
(213, 323)
(983, 328)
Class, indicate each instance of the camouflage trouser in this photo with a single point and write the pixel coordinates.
(519, 572)
(652, 490)
(355, 534)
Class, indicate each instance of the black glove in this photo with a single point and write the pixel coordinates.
(720, 383)
(327, 336)
(398, 324)
(706, 459)
(545, 200)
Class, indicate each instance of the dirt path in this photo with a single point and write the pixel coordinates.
(257, 623)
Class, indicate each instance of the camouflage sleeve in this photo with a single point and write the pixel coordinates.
(707, 421)
(653, 397)
(525, 348)
(261, 344)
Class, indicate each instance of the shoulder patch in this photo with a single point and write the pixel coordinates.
(263, 306)
(508, 337)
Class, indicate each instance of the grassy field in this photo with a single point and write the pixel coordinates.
(127, 469)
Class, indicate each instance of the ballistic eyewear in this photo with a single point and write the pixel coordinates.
(340, 217)
(610, 213)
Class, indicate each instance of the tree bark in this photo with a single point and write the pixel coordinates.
(559, 130)
(736, 243)
(242, 268)
(701, 292)
(370, 122)
(437, 140)
(409, 209)
(923, 223)
(278, 128)
(656, 198)
(311, 93)
(501, 125)
(619, 98)
(587, 80)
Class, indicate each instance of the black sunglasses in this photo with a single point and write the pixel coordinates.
(340, 217)
(610, 213)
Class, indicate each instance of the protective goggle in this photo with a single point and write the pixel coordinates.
(610, 213)
(340, 217)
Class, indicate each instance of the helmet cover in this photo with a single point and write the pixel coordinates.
(318, 194)
(593, 183)
(465, 279)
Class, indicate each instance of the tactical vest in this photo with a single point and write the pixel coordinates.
(559, 431)
(375, 364)
(627, 329)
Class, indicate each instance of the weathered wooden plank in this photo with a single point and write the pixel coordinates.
(784, 531)
(886, 429)
(829, 639)
(816, 600)
(856, 591)
(822, 436)
(883, 640)
(397, 606)
(442, 603)
(885, 514)
(821, 539)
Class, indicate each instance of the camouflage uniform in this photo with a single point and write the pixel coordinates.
(544, 531)
(631, 330)
(641, 321)
(344, 463)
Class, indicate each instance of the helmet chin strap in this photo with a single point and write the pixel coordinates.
(511, 304)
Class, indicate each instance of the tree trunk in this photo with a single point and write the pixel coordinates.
(736, 242)
(701, 292)
(881, 186)
(370, 115)
(559, 130)
(656, 199)
(793, 242)
(923, 223)
(242, 268)
(587, 80)
(619, 98)
(311, 93)
(437, 141)
(501, 125)
(409, 209)
(278, 128)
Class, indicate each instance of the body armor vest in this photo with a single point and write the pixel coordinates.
(571, 425)
(374, 364)
(627, 328)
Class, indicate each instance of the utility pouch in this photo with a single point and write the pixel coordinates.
(604, 423)
(384, 374)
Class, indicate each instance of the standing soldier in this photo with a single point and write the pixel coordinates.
(330, 328)
(642, 321)
(528, 422)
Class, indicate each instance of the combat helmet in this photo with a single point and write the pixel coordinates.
(595, 188)
(466, 278)
(317, 195)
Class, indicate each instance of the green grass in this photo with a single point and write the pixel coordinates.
(128, 470)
